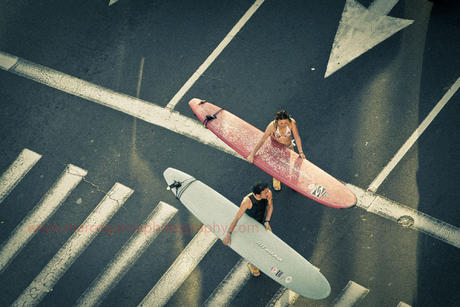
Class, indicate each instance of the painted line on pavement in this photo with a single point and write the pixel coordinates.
(17, 170)
(360, 29)
(352, 294)
(283, 298)
(180, 269)
(406, 216)
(75, 245)
(197, 74)
(413, 138)
(138, 108)
(7, 61)
(230, 286)
(126, 257)
(37, 217)
(139, 79)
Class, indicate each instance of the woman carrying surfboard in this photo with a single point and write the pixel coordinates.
(259, 206)
(281, 130)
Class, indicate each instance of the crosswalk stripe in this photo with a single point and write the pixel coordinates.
(38, 216)
(283, 297)
(127, 256)
(351, 295)
(180, 269)
(17, 170)
(75, 245)
(230, 286)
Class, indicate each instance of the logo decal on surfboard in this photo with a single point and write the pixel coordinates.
(318, 191)
(271, 253)
(278, 273)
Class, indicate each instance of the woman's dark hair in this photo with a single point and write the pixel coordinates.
(259, 187)
(282, 115)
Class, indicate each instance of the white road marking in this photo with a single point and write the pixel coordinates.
(38, 216)
(138, 108)
(143, 110)
(126, 257)
(180, 269)
(413, 138)
(197, 74)
(283, 298)
(406, 216)
(402, 304)
(139, 79)
(351, 295)
(7, 61)
(77, 243)
(382, 7)
(17, 170)
(360, 29)
(230, 286)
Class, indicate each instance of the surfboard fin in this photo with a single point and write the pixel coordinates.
(175, 184)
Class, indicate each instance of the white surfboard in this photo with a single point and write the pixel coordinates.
(249, 239)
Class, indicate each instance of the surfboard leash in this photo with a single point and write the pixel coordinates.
(177, 184)
(210, 117)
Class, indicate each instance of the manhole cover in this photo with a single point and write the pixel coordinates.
(406, 221)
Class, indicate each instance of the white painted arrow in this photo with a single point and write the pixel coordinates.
(362, 28)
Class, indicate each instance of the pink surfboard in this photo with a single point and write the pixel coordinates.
(273, 158)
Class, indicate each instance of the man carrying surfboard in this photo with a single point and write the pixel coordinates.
(281, 130)
(259, 206)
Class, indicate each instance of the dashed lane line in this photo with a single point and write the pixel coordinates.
(75, 245)
(17, 170)
(126, 257)
(37, 217)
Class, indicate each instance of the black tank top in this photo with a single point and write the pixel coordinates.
(257, 211)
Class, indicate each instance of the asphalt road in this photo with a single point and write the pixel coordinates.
(351, 123)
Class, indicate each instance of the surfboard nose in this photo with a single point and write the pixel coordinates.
(317, 288)
(326, 290)
(172, 174)
(194, 102)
